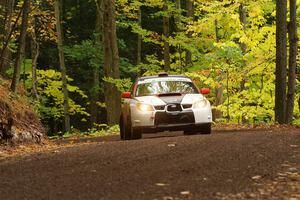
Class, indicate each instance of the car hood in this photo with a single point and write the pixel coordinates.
(163, 100)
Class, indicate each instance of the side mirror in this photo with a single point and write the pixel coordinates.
(205, 91)
(126, 95)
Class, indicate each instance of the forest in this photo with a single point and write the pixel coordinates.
(74, 58)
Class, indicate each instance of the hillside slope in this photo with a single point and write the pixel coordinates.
(26, 123)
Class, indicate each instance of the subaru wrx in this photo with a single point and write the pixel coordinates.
(164, 102)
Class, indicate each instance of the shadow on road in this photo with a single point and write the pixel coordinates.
(166, 134)
(115, 138)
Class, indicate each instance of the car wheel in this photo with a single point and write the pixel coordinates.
(136, 134)
(206, 129)
(121, 125)
(125, 130)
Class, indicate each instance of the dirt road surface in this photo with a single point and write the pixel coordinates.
(167, 166)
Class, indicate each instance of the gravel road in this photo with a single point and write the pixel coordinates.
(166, 166)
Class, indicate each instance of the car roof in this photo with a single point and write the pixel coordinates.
(164, 77)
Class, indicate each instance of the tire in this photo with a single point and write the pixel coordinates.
(136, 134)
(122, 131)
(127, 132)
(206, 129)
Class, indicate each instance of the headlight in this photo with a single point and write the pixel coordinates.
(144, 107)
(200, 104)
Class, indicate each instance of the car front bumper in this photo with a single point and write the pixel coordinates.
(163, 120)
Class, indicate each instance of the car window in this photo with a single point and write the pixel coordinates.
(163, 87)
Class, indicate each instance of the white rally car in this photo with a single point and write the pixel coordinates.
(164, 102)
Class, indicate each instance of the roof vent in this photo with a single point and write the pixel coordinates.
(163, 74)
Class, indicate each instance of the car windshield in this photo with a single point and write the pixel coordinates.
(165, 87)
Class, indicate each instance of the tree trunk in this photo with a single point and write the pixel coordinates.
(94, 97)
(243, 20)
(3, 31)
(243, 46)
(67, 125)
(139, 39)
(21, 47)
(281, 61)
(293, 40)
(94, 93)
(6, 54)
(178, 28)
(3, 18)
(35, 52)
(177, 18)
(166, 30)
(217, 31)
(111, 63)
(190, 14)
(299, 103)
(228, 96)
(219, 90)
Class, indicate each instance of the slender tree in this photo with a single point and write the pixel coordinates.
(62, 65)
(139, 38)
(243, 47)
(219, 90)
(178, 28)
(111, 62)
(5, 54)
(3, 16)
(243, 20)
(94, 93)
(8, 7)
(166, 30)
(21, 47)
(281, 60)
(190, 14)
(293, 42)
(35, 52)
(177, 17)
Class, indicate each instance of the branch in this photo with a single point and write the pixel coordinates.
(10, 34)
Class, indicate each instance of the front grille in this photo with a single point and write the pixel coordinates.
(174, 107)
(164, 118)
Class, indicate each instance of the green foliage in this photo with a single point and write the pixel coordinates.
(152, 66)
(51, 96)
(87, 57)
(214, 37)
(25, 69)
(247, 78)
(123, 85)
(87, 51)
(98, 130)
(103, 130)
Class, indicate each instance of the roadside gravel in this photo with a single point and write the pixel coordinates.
(262, 164)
